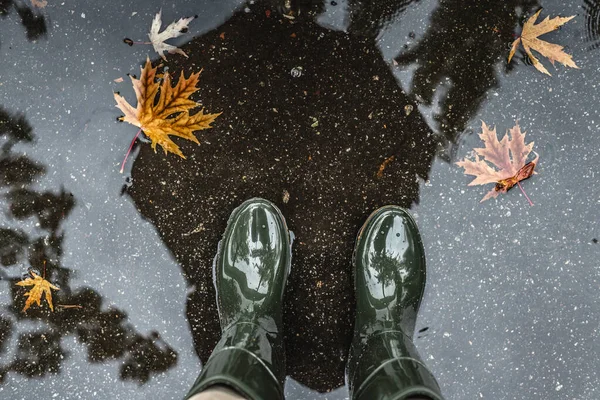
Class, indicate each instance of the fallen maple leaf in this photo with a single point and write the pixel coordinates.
(173, 30)
(507, 155)
(529, 38)
(40, 287)
(170, 114)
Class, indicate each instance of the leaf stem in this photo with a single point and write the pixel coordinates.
(525, 194)
(131, 147)
(131, 42)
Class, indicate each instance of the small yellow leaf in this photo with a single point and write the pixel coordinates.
(40, 287)
(530, 40)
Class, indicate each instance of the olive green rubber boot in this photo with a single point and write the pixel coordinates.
(389, 280)
(250, 271)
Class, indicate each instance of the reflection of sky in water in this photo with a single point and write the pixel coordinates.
(63, 84)
(335, 17)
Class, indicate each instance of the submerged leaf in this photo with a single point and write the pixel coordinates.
(40, 287)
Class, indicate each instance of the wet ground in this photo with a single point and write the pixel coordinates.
(311, 107)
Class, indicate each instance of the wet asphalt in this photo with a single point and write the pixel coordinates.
(311, 108)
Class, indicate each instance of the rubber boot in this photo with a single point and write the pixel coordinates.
(250, 271)
(389, 280)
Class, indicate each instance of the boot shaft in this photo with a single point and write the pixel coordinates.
(250, 271)
(387, 365)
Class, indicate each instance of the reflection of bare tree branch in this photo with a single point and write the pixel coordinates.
(369, 16)
(12, 246)
(38, 354)
(102, 332)
(49, 208)
(18, 171)
(15, 128)
(301, 8)
(34, 23)
(5, 7)
(5, 328)
(106, 333)
(463, 49)
(147, 356)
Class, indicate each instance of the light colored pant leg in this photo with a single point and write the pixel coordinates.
(218, 392)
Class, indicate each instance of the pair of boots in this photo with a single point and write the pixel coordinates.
(251, 269)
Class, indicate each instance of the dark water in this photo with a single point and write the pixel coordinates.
(312, 106)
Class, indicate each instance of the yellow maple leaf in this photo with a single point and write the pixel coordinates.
(170, 114)
(40, 287)
(530, 40)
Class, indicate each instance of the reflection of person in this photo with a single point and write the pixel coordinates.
(251, 269)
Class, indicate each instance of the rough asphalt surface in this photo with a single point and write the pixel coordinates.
(312, 108)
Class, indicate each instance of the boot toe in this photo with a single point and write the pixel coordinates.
(389, 269)
(253, 262)
(392, 231)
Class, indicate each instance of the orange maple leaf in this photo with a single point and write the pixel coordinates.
(507, 155)
(170, 115)
(40, 287)
(530, 39)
